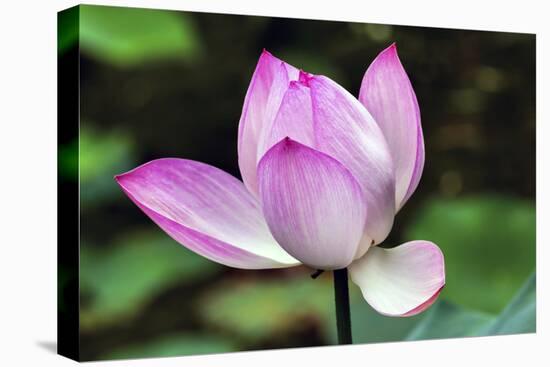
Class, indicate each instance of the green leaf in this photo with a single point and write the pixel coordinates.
(519, 316)
(130, 36)
(101, 152)
(260, 309)
(174, 345)
(67, 160)
(67, 29)
(488, 243)
(120, 278)
(102, 156)
(445, 320)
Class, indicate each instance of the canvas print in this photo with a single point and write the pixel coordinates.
(235, 183)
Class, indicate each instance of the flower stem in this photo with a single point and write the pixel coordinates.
(341, 298)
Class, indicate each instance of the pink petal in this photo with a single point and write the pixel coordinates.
(402, 281)
(294, 119)
(388, 95)
(265, 92)
(345, 130)
(313, 205)
(207, 210)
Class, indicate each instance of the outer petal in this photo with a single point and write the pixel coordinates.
(401, 281)
(206, 210)
(388, 95)
(345, 130)
(313, 205)
(267, 87)
(294, 119)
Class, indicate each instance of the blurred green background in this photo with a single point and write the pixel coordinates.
(171, 84)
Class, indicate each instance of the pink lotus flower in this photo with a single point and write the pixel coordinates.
(324, 175)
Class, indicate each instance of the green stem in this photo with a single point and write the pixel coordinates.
(341, 298)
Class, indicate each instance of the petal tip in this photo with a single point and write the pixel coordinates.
(266, 52)
(425, 305)
(121, 177)
(287, 141)
(305, 77)
(389, 52)
(152, 163)
(294, 85)
(283, 145)
(442, 282)
(267, 58)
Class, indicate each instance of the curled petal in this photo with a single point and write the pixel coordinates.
(267, 87)
(401, 281)
(387, 93)
(344, 130)
(207, 210)
(312, 204)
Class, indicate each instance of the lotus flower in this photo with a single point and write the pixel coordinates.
(324, 175)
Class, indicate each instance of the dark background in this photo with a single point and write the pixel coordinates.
(171, 84)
